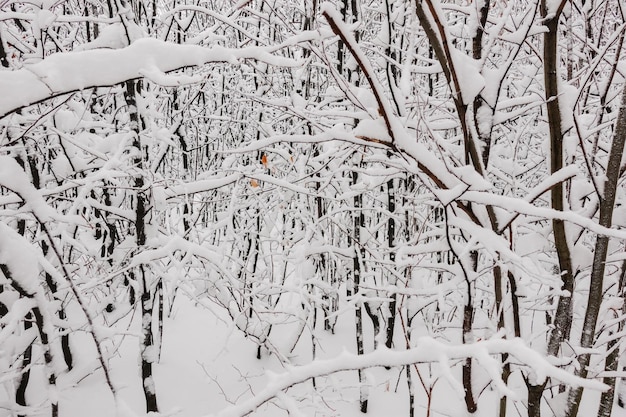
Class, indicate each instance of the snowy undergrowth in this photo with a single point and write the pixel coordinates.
(208, 368)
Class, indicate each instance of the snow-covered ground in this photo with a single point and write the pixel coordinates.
(208, 368)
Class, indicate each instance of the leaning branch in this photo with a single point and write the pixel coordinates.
(67, 72)
(427, 351)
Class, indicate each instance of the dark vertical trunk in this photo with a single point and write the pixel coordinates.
(147, 353)
(359, 252)
(4, 62)
(391, 71)
(409, 376)
(562, 319)
(160, 310)
(65, 337)
(20, 394)
(535, 394)
(44, 338)
(612, 360)
(323, 263)
(468, 318)
(33, 170)
(373, 315)
(391, 232)
(594, 301)
(517, 332)
(47, 355)
(506, 368)
(147, 342)
(480, 105)
(408, 188)
(343, 9)
(255, 261)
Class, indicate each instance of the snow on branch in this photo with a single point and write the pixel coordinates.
(13, 177)
(338, 27)
(516, 206)
(200, 186)
(427, 350)
(67, 72)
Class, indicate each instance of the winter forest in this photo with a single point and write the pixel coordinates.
(304, 208)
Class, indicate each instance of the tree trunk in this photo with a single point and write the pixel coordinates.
(391, 232)
(147, 342)
(594, 301)
(563, 316)
(20, 393)
(359, 252)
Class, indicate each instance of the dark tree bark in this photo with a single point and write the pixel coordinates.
(20, 393)
(44, 338)
(594, 301)
(359, 253)
(143, 274)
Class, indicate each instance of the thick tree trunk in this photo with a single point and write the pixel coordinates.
(563, 316)
(594, 301)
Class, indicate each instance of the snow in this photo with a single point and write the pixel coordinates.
(113, 37)
(471, 178)
(66, 72)
(568, 97)
(200, 186)
(468, 74)
(13, 177)
(45, 18)
(65, 120)
(10, 322)
(383, 106)
(369, 128)
(514, 205)
(552, 7)
(203, 371)
(427, 350)
(228, 300)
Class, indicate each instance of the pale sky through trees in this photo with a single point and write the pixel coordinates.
(305, 208)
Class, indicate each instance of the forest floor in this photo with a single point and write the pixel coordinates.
(207, 366)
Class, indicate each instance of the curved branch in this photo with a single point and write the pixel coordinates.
(68, 72)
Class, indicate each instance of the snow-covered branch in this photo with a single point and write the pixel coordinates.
(427, 350)
(64, 73)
